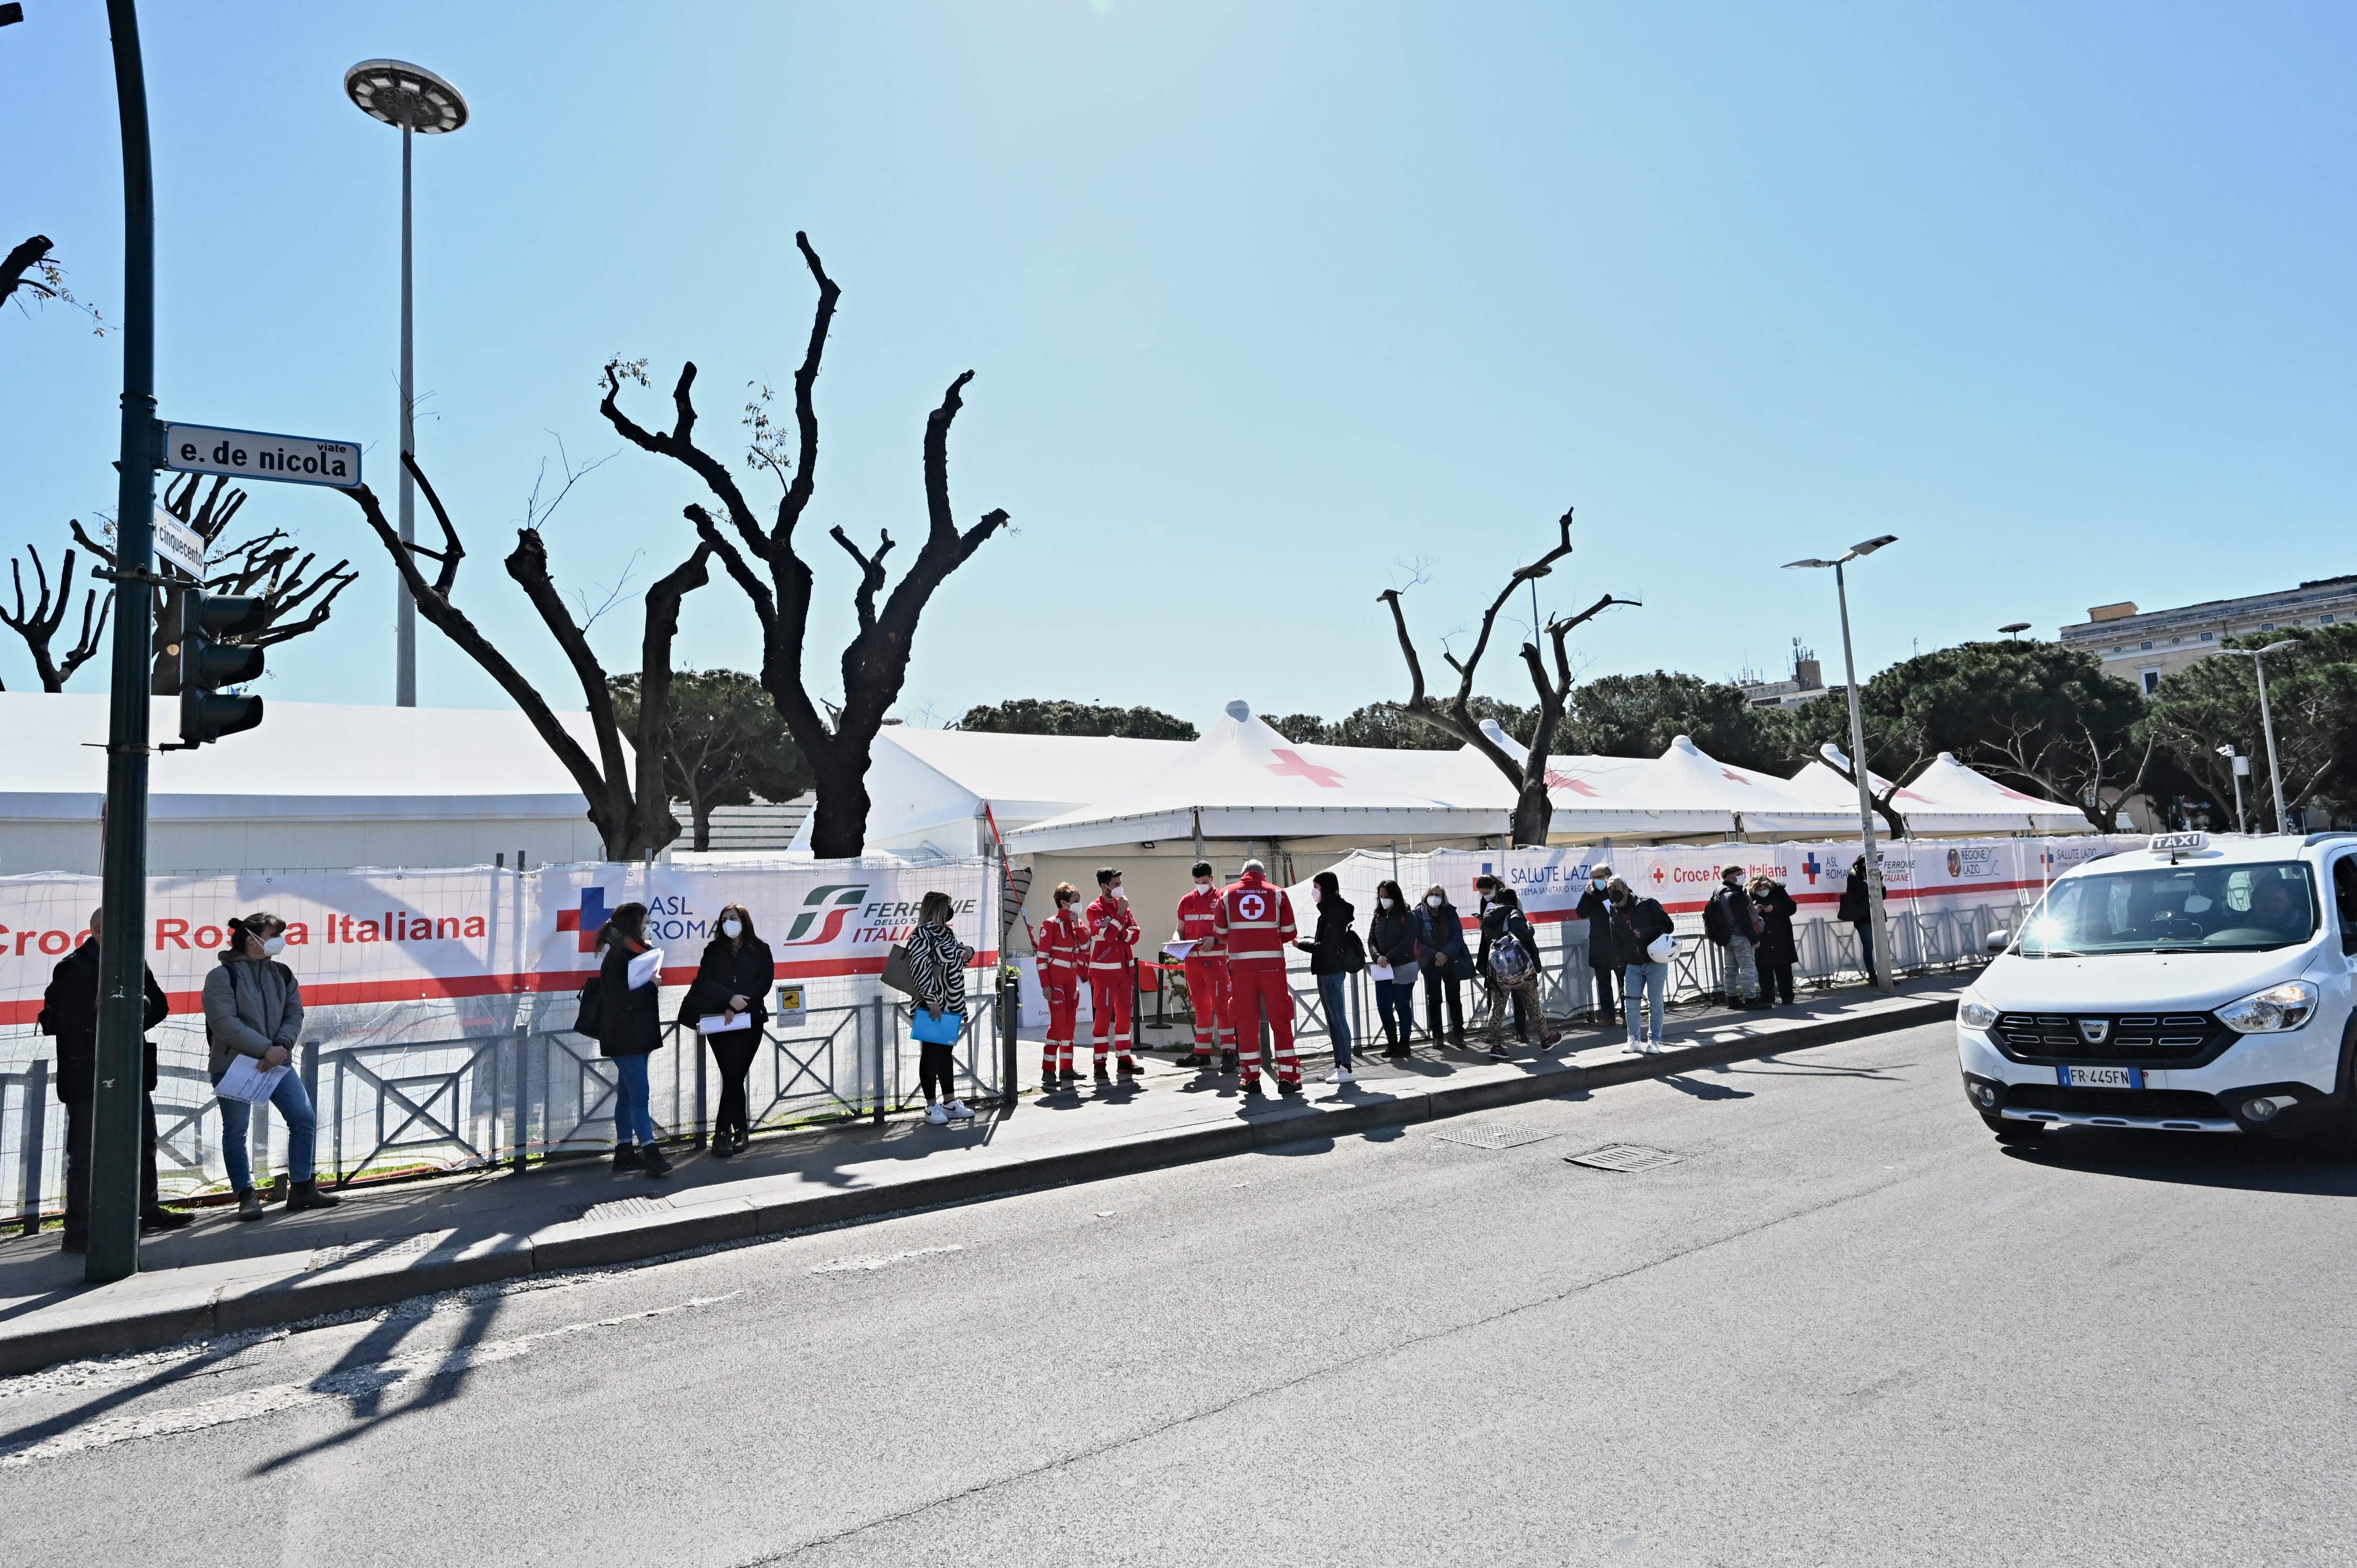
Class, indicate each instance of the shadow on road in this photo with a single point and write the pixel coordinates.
(2242, 1164)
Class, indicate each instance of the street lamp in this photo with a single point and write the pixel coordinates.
(2268, 722)
(2013, 629)
(423, 104)
(2239, 766)
(1880, 934)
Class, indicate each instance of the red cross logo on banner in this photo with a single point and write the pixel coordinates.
(1657, 876)
(1293, 765)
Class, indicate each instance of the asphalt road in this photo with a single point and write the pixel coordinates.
(1846, 1326)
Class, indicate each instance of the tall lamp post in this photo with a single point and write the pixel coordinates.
(1885, 971)
(421, 104)
(2267, 723)
(2238, 765)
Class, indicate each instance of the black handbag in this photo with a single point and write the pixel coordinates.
(589, 1010)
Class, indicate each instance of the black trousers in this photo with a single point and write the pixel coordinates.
(1775, 982)
(734, 1051)
(1439, 982)
(1605, 979)
(937, 1071)
(80, 1115)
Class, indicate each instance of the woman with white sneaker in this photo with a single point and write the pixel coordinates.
(938, 1018)
(1637, 924)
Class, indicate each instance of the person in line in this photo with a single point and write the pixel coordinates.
(1778, 950)
(1729, 920)
(1254, 925)
(630, 1032)
(1637, 924)
(1857, 908)
(1485, 893)
(732, 982)
(1390, 942)
(1207, 971)
(1063, 945)
(70, 1016)
(1442, 958)
(1335, 955)
(1113, 971)
(1603, 960)
(254, 1008)
(940, 960)
(1513, 960)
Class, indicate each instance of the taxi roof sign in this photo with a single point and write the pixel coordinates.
(2175, 845)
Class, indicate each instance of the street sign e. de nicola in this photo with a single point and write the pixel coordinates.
(260, 454)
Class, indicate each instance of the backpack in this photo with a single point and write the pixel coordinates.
(589, 1011)
(1714, 923)
(1509, 962)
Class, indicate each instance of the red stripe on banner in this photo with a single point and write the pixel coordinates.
(426, 988)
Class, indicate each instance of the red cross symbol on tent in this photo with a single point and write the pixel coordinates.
(1732, 773)
(1564, 781)
(1293, 765)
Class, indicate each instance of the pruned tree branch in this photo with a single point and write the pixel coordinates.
(39, 622)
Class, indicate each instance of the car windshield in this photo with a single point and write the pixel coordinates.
(2166, 908)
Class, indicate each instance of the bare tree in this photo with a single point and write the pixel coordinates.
(875, 662)
(39, 624)
(1455, 716)
(627, 803)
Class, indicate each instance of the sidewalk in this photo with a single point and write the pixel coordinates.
(383, 1244)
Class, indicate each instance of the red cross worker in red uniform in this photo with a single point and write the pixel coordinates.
(1113, 971)
(1062, 942)
(1255, 924)
(1207, 970)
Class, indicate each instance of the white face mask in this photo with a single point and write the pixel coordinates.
(273, 946)
(1317, 895)
(1204, 883)
(1597, 882)
(1435, 899)
(731, 930)
(1384, 901)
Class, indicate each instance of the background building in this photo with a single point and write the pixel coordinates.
(2142, 645)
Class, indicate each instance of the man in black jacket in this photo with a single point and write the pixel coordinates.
(1603, 959)
(1731, 922)
(70, 1012)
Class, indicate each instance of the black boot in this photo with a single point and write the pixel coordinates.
(306, 1195)
(628, 1158)
(1227, 1062)
(162, 1218)
(652, 1158)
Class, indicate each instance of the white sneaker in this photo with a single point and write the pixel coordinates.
(1341, 1075)
(938, 1115)
(959, 1112)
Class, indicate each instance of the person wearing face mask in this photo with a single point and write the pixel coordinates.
(1113, 971)
(1442, 959)
(1061, 943)
(1730, 921)
(69, 1013)
(1335, 955)
(1254, 923)
(254, 1008)
(1207, 973)
(1604, 959)
(732, 982)
(1391, 944)
(630, 1032)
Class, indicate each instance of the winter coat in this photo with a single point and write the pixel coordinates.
(1498, 920)
(250, 1004)
(631, 1022)
(1440, 935)
(1856, 906)
(1636, 925)
(69, 1011)
(939, 959)
(1333, 947)
(1776, 911)
(1390, 937)
(728, 969)
(1596, 910)
(1735, 908)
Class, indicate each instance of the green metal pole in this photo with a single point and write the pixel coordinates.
(119, 1094)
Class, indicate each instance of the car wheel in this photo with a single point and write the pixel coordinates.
(2014, 1132)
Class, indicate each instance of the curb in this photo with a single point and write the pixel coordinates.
(368, 1284)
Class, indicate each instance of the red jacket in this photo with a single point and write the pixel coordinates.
(1062, 941)
(1113, 933)
(1254, 920)
(1199, 915)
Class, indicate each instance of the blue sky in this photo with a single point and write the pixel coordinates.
(1264, 300)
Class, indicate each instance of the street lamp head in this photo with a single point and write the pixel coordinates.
(1871, 545)
(398, 93)
(2012, 628)
(2279, 647)
(2227, 749)
(1811, 561)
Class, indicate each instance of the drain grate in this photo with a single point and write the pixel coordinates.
(363, 1252)
(1625, 1157)
(623, 1208)
(1491, 1135)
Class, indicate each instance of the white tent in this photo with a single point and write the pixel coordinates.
(322, 785)
(1685, 792)
(1243, 780)
(1959, 791)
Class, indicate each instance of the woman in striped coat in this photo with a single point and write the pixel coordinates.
(939, 959)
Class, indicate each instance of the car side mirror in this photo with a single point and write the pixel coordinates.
(1998, 940)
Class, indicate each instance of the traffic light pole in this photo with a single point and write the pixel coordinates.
(120, 1092)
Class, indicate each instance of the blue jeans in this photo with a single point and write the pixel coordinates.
(1644, 981)
(1333, 997)
(632, 1121)
(1865, 947)
(294, 1106)
(1395, 1005)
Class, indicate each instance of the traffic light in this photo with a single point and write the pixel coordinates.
(209, 658)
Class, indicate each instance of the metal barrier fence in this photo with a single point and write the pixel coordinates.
(473, 1101)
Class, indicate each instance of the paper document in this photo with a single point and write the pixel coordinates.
(721, 1022)
(1177, 950)
(1379, 971)
(248, 1079)
(645, 966)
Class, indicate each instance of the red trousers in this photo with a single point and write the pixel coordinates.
(1112, 996)
(1063, 1013)
(1256, 990)
(1207, 990)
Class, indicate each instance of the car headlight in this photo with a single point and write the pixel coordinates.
(2272, 1011)
(1974, 1014)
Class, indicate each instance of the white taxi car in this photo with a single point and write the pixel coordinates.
(2192, 986)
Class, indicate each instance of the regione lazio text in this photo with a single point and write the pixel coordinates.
(439, 1004)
